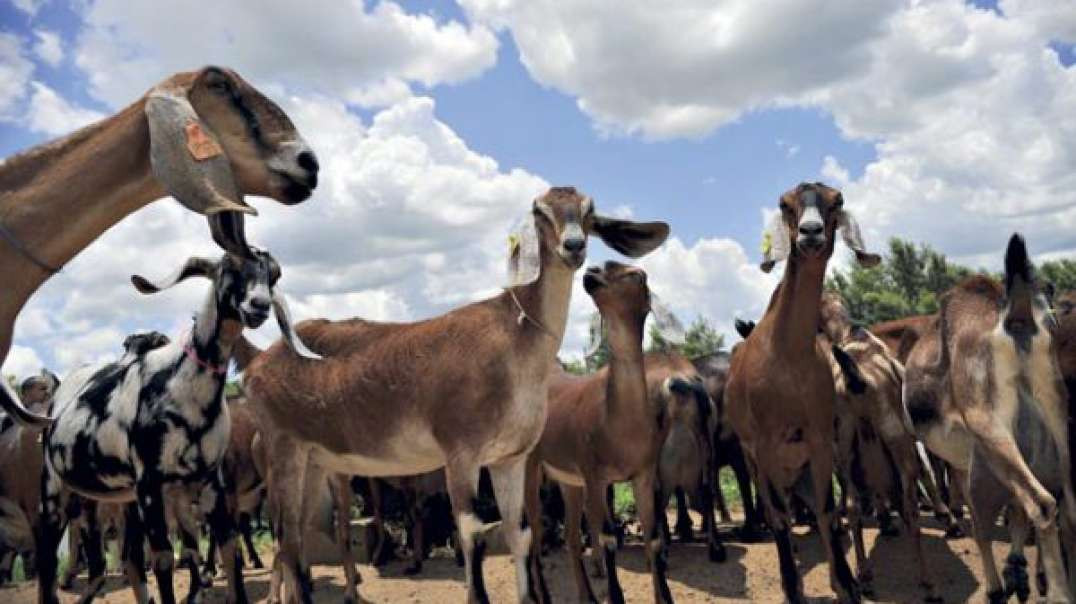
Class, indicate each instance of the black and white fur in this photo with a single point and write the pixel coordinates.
(135, 429)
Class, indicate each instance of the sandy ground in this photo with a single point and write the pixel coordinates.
(751, 573)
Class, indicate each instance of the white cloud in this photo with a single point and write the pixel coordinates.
(30, 7)
(704, 63)
(51, 114)
(15, 72)
(21, 362)
(833, 172)
(49, 47)
(367, 54)
(714, 277)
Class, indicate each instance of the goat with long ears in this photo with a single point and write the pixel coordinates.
(462, 390)
(780, 393)
(205, 137)
(156, 419)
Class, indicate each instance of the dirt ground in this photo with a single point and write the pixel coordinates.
(751, 573)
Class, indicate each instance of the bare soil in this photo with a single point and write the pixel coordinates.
(751, 573)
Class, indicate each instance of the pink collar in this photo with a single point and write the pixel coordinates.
(193, 356)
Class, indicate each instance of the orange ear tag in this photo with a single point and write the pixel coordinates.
(200, 144)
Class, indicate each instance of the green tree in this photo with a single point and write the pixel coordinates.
(1062, 273)
(908, 282)
(700, 339)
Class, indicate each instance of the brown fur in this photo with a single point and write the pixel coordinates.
(900, 335)
(780, 394)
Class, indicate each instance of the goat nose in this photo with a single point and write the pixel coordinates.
(308, 162)
(575, 244)
(261, 304)
(812, 228)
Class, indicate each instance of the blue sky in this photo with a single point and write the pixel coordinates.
(944, 122)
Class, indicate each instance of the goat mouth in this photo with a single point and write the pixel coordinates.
(811, 246)
(592, 280)
(573, 259)
(253, 319)
(295, 190)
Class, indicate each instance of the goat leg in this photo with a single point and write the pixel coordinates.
(509, 481)
(95, 559)
(644, 487)
(829, 526)
(462, 479)
(715, 549)
(134, 553)
(537, 587)
(47, 533)
(340, 485)
(573, 536)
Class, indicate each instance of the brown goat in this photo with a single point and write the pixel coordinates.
(876, 449)
(462, 390)
(602, 428)
(985, 393)
(714, 371)
(900, 335)
(780, 392)
(686, 461)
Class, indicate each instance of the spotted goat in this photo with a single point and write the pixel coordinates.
(155, 420)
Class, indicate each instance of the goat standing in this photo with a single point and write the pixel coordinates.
(985, 393)
(780, 393)
(462, 390)
(127, 430)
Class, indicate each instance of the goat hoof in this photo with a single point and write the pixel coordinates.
(954, 531)
(718, 553)
(413, 569)
(1040, 582)
(997, 597)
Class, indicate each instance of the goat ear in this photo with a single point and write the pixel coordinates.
(524, 252)
(776, 243)
(668, 326)
(850, 369)
(283, 319)
(853, 238)
(633, 239)
(744, 328)
(190, 164)
(194, 267)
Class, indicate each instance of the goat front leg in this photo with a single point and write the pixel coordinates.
(47, 533)
(247, 529)
(509, 482)
(287, 469)
(533, 510)
(644, 487)
(908, 463)
(715, 548)
(829, 526)
(222, 527)
(849, 460)
(340, 485)
(573, 537)
(133, 553)
(95, 558)
(462, 478)
(150, 500)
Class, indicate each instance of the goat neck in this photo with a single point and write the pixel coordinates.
(545, 302)
(796, 305)
(213, 335)
(45, 198)
(626, 391)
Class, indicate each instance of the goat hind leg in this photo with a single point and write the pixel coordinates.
(462, 478)
(287, 469)
(47, 533)
(985, 497)
(909, 469)
(95, 559)
(340, 485)
(532, 502)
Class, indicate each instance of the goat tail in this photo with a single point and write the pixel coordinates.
(10, 403)
(243, 352)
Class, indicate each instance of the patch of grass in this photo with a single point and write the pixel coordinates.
(623, 500)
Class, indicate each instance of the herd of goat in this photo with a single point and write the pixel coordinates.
(970, 404)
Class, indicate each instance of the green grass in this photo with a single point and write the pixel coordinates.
(624, 501)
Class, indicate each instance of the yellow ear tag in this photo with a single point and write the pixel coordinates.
(513, 244)
(767, 243)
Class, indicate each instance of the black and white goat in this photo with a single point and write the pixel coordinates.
(155, 420)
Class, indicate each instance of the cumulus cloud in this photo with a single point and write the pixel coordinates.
(49, 47)
(970, 112)
(21, 362)
(15, 72)
(30, 7)
(365, 52)
(51, 114)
